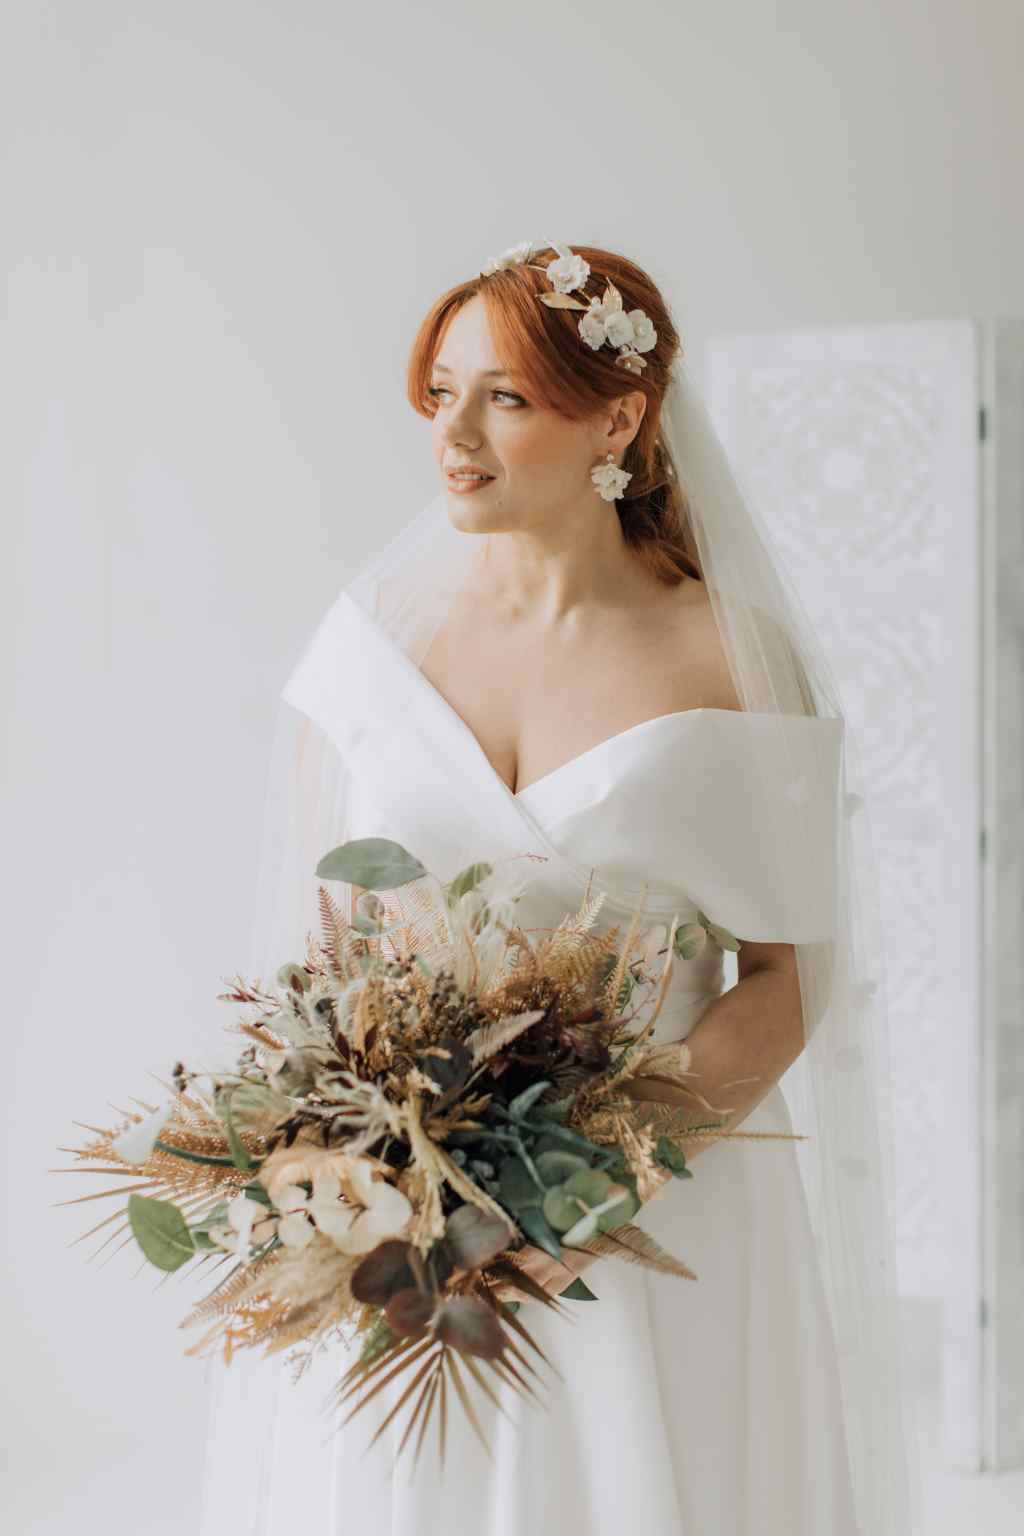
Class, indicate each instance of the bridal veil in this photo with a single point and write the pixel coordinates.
(838, 1088)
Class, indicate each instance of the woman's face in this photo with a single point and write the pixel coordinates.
(540, 461)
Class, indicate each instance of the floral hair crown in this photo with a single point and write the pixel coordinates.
(605, 321)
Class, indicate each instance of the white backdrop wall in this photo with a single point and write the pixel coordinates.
(222, 224)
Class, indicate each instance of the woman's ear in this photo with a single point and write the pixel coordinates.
(622, 420)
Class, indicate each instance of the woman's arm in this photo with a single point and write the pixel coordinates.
(753, 1030)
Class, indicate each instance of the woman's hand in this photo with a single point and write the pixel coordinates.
(554, 1275)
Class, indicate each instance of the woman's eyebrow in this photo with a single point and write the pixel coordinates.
(488, 373)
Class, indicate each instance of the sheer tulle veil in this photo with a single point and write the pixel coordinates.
(837, 1090)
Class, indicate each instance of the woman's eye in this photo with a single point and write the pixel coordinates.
(436, 390)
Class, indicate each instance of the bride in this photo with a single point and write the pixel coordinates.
(583, 652)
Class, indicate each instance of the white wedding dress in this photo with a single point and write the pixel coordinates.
(689, 1408)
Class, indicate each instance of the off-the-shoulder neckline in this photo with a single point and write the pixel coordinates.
(448, 711)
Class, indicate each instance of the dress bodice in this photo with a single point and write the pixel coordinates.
(697, 810)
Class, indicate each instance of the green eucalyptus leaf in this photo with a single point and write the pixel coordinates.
(239, 1155)
(577, 1291)
(377, 863)
(558, 1164)
(467, 880)
(523, 1102)
(672, 1157)
(560, 1135)
(539, 1231)
(561, 1210)
(546, 1143)
(517, 1187)
(723, 938)
(556, 1110)
(623, 1211)
(690, 940)
(617, 1166)
(590, 1184)
(161, 1231)
(194, 1157)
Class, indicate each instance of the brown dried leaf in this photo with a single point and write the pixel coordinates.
(409, 1311)
(473, 1236)
(561, 301)
(467, 1324)
(387, 1269)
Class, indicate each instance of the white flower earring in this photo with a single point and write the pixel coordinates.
(610, 480)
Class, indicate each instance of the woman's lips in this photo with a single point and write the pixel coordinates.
(463, 484)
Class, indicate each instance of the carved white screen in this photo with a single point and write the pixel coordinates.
(859, 448)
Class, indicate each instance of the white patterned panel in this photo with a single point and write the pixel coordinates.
(842, 438)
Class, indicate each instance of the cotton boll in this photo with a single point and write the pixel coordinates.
(136, 1144)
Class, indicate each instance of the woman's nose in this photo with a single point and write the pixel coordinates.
(470, 442)
(460, 424)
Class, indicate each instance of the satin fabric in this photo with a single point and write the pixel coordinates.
(697, 1408)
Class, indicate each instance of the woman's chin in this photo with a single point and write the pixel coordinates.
(473, 519)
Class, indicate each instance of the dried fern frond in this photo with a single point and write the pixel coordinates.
(613, 986)
(486, 1041)
(636, 1246)
(340, 943)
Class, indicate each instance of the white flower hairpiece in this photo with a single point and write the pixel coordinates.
(605, 319)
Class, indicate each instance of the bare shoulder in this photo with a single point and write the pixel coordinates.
(700, 647)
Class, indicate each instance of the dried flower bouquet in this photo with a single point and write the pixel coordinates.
(430, 1090)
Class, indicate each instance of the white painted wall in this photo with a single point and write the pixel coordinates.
(222, 223)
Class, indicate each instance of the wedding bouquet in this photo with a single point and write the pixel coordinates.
(428, 1092)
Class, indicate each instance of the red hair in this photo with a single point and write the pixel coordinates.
(541, 346)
